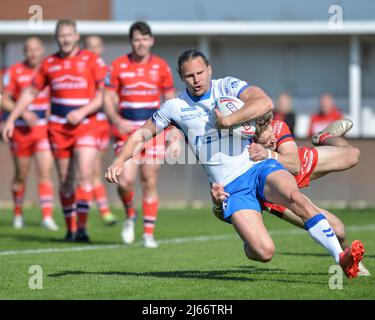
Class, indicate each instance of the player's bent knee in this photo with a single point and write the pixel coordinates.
(263, 254)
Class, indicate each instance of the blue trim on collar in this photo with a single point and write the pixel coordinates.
(204, 96)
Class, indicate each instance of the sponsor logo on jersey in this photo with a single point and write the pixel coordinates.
(127, 74)
(196, 115)
(233, 84)
(69, 82)
(190, 108)
(24, 78)
(54, 68)
(140, 88)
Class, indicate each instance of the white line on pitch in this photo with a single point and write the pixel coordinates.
(294, 231)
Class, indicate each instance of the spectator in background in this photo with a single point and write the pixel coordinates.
(328, 113)
(284, 111)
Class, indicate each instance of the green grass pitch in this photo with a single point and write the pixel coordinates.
(199, 257)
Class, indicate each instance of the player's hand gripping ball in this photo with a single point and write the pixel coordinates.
(228, 105)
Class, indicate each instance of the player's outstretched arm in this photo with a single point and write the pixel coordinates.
(257, 103)
(132, 146)
(27, 97)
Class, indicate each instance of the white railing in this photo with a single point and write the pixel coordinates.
(198, 28)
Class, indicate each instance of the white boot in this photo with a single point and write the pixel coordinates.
(128, 233)
(18, 222)
(336, 129)
(149, 241)
(49, 224)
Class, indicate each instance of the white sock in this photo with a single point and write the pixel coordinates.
(321, 231)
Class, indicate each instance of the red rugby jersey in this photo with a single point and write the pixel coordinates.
(139, 85)
(18, 77)
(320, 121)
(282, 132)
(73, 81)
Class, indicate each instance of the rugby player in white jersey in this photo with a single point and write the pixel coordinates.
(194, 112)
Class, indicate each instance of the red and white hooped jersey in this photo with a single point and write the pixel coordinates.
(139, 86)
(18, 77)
(73, 81)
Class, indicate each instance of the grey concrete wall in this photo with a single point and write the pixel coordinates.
(305, 67)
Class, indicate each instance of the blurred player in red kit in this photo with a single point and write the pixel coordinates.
(30, 136)
(76, 79)
(103, 127)
(139, 79)
(327, 114)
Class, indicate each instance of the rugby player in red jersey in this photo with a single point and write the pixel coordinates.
(103, 127)
(30, 136)
(76, 80)
(139, 80)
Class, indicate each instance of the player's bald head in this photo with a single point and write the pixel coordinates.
(94, 44)
(33, 42)
(33, 51)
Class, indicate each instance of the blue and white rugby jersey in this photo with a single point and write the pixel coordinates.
(223, 157)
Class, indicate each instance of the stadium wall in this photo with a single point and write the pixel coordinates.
(306, 67)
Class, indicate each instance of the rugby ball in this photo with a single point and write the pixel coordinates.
(228, 105)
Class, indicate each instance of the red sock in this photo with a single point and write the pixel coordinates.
(127, 200)
(150, 212)
(100, 195)
(46, 199)
(18, 192)
(68, 202)
(84, 197)
(324, 137)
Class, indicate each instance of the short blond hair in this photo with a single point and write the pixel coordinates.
(65, 22)
(262, 124)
